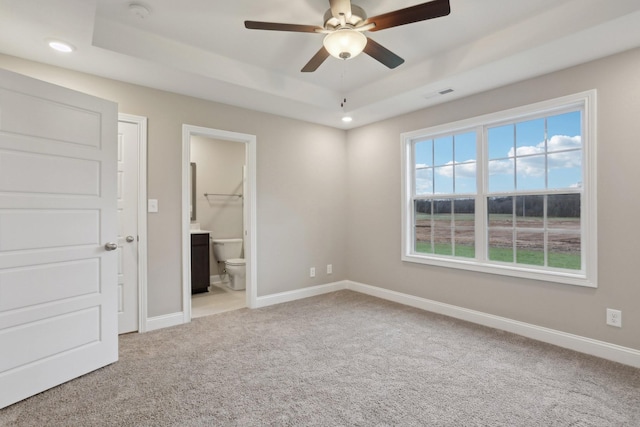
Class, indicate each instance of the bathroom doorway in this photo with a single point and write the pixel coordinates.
(218, 203)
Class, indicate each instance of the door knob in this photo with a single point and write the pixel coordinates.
(111, 246)
(130, 239)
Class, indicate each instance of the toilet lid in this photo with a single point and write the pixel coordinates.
(235, 261)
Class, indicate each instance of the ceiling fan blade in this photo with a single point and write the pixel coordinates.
(420, 12)
(339, 7)
(382, 54)
(316, 61)
(274, 26)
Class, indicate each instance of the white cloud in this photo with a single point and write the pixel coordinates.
(556, 143)
(563, 142)
(501, 167)
(463, 170)
(533, 164)
(424, 181)
(446, 170)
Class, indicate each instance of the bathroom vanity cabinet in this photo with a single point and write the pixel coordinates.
(200, 270)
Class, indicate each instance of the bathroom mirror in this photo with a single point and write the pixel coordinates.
(192, 198)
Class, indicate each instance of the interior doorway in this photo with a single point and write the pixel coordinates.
(248, 210)
(217, 200)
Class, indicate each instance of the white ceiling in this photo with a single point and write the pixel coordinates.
(201, 48)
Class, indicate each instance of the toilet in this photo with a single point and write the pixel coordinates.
(229, 251)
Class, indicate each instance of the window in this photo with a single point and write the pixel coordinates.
(508, 193)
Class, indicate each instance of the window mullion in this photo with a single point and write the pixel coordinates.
(482, 177)
(412, 161)
(545, 227)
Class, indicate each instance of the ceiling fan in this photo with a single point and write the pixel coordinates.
(345, 23)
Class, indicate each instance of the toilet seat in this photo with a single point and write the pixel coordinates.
(236, 262)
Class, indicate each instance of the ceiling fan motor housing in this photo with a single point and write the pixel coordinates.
(358, 15)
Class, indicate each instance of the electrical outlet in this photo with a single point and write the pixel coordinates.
(329, 269)
(312, 272)
(614, 317)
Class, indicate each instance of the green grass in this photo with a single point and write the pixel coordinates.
(528, 257)
(465, 251)
(569, 261)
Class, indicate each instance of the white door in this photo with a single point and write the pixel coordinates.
(58, 284)
(129, 135)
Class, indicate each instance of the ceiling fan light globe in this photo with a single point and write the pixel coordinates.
(345, 43)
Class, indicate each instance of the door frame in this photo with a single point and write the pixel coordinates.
(141, 123)
(249, 212)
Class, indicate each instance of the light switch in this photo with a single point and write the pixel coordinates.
(152, 205)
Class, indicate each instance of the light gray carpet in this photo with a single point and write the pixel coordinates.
(340, 359)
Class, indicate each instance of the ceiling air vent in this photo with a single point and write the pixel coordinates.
(437, 93)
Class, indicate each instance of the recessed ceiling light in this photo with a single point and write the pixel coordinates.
(61, 46)
(347, 119)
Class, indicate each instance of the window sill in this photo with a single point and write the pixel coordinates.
(555, 276)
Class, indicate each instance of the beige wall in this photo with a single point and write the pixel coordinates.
(301, 196)
(314, 210)
(374, 209)
(219, 166)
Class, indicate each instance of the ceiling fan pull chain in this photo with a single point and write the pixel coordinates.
(342, 89)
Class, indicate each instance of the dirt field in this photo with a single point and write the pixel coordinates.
(500, 233)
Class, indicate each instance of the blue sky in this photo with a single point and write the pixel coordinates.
(511, 147)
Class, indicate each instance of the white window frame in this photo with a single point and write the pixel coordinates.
(587, 276)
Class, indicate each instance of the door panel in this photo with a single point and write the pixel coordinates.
(23, 229)
(49, 119)
(58, 306)
(45, 339)
(26, 286)
(37, 173)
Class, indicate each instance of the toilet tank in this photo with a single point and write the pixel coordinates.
(224, 249)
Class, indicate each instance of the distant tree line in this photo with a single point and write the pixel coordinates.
(445, 206)
(558, 205)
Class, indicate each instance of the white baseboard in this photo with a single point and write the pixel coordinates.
(605, 350)
(281, 297)
(165, 321)
(217, 280)
(174, 319)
